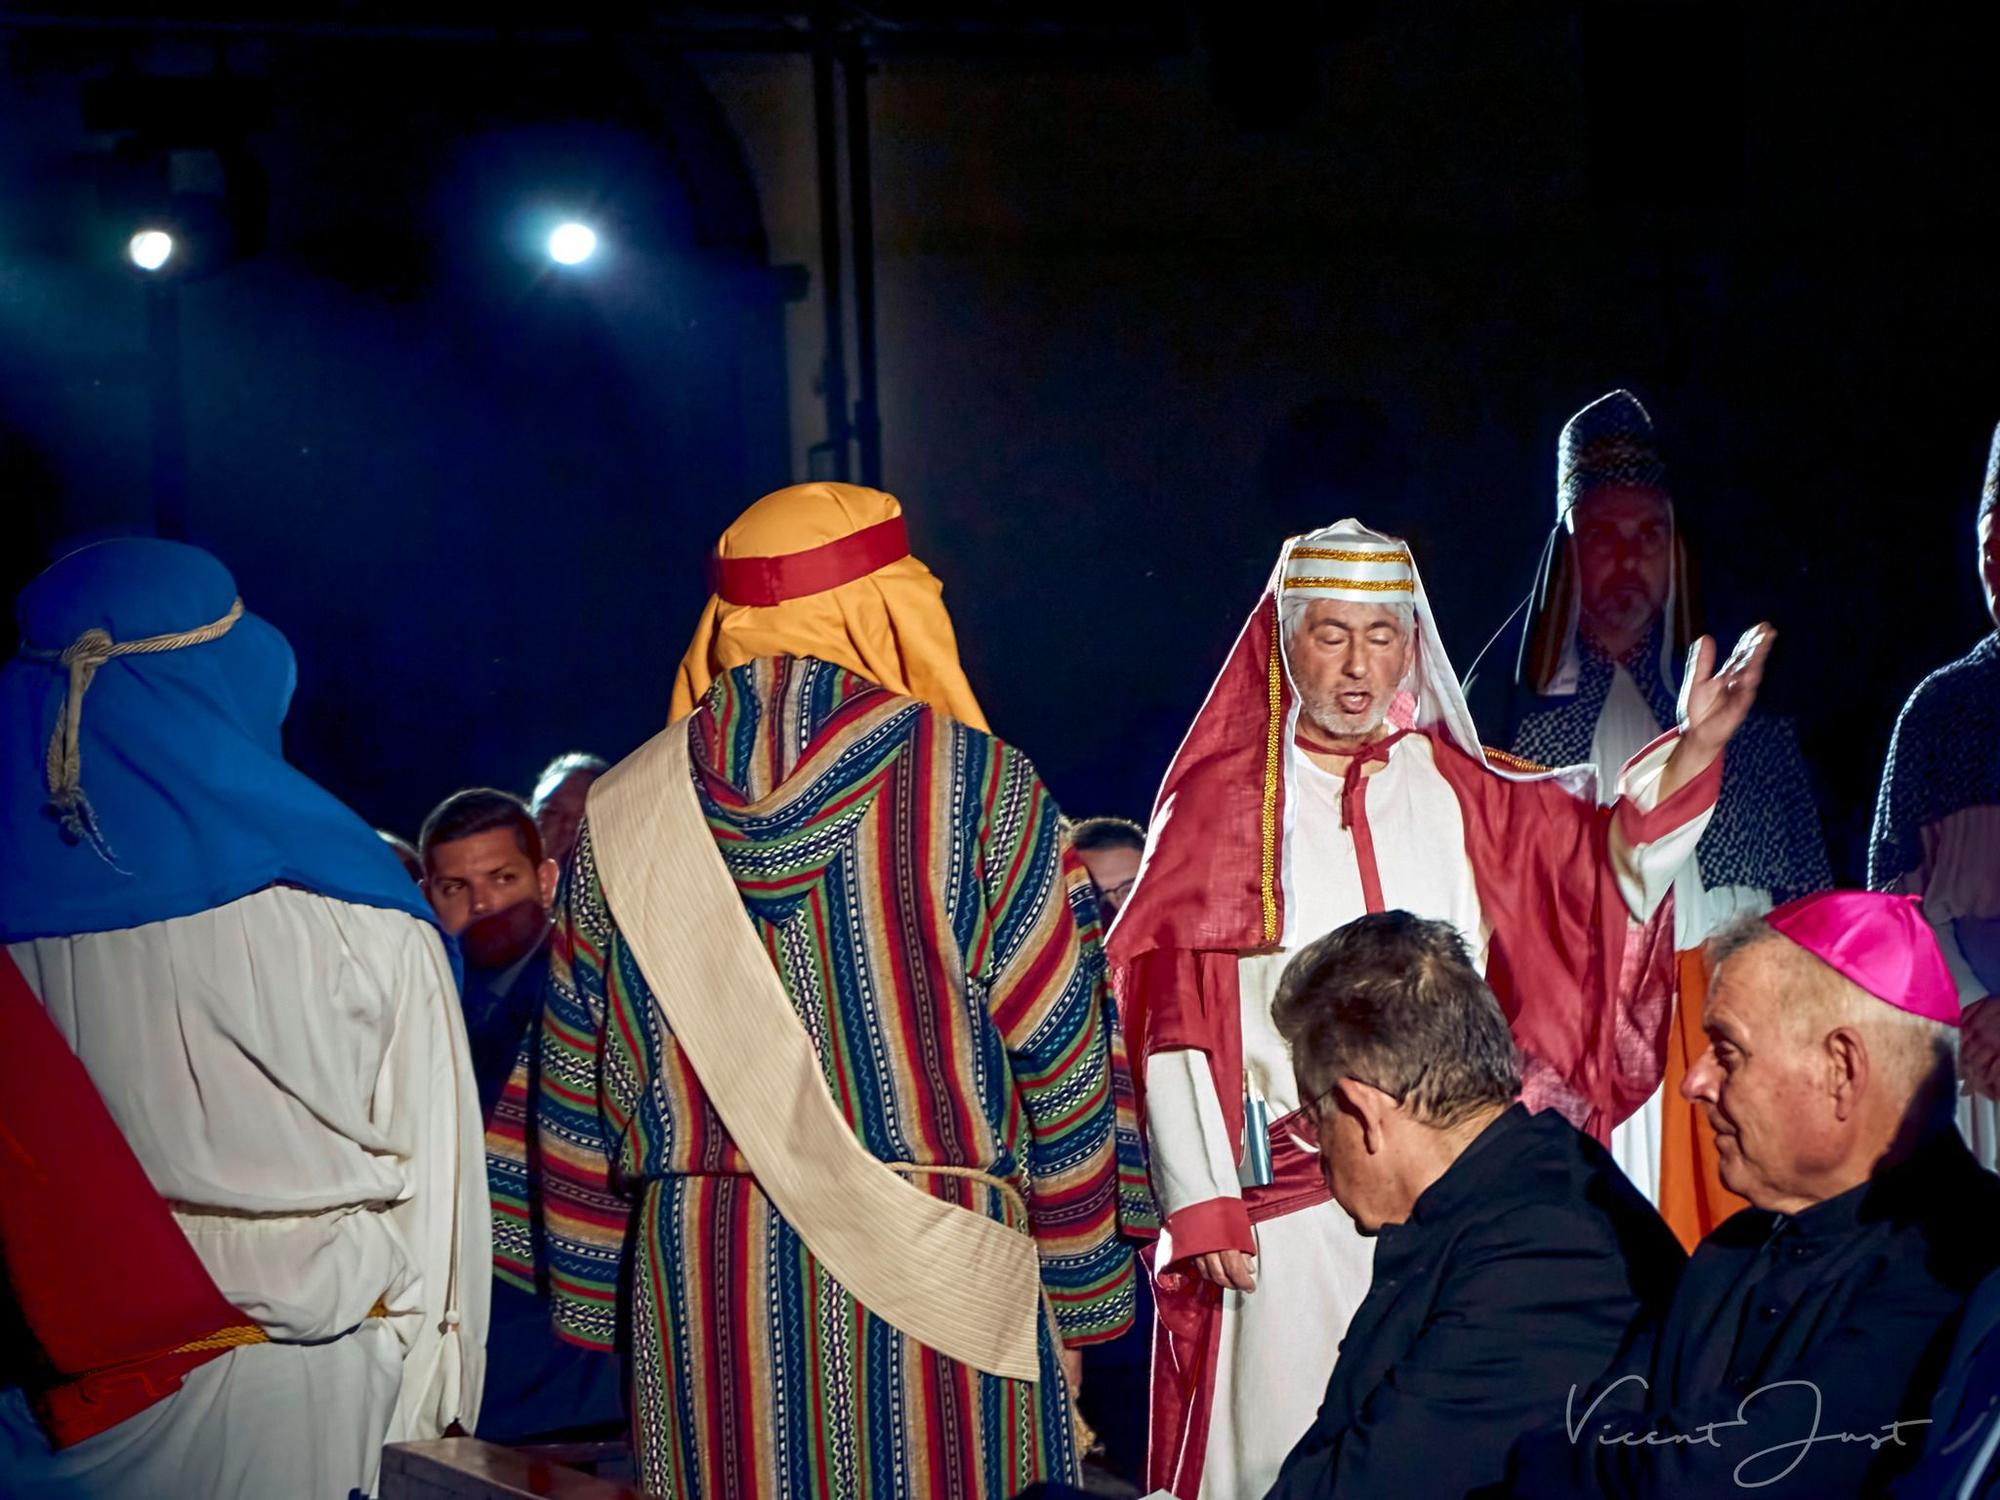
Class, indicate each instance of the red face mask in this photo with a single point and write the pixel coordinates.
(506, 936)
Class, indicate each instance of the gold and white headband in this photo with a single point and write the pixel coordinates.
(1359, 569)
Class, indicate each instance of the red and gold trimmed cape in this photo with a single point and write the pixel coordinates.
(1565, 959)
(1587, 990)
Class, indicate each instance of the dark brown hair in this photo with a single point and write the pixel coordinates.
(480, 809)
(1106, 833)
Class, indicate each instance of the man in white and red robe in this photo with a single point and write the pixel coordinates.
(1334, 771)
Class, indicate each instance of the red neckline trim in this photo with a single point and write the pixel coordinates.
(1373, 750)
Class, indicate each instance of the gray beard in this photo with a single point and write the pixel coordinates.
(1329, 720)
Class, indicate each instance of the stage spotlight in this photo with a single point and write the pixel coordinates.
(572, 244)
(150, 249)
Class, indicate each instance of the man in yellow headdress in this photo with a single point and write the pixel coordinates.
(828, 1047)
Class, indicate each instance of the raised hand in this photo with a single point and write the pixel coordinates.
(1715, 701)
(1979, 1047)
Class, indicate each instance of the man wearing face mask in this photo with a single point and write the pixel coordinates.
(1602, 656)
(492, 887)
(1335, 770)
(486, 876)
(1110, 849)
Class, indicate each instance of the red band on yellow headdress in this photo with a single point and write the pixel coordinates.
(760, 582)
(825, 570)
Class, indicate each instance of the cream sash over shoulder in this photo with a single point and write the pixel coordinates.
(950, 1278)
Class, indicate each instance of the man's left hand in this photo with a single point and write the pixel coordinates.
(1714, 703)
(1716, 700)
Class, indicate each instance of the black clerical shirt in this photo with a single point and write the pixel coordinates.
(1800, 1353)
(1518, 1271)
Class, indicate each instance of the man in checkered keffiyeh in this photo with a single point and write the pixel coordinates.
(1602, 654)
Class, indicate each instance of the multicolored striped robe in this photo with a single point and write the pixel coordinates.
(911, 882)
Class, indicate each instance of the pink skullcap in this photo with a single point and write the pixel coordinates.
(1879, 941)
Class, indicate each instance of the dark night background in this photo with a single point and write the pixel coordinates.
(1157, 285)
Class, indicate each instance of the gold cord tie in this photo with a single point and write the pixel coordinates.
(240, 1335)
(82, 657)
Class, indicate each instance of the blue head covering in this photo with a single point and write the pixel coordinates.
(186, 799)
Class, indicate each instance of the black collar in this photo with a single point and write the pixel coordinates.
(1909, 1190)
(1470, 1179)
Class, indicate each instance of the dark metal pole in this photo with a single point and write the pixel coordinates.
(169, 444)
(826, 132)
(861, 215)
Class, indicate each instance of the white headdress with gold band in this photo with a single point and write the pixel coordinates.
(1350, 562)
(1357, 565)
(1353, 564)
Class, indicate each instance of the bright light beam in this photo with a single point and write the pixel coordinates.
(572, 244)
(150, 249)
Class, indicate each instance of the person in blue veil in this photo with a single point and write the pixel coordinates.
(265, 1003)
(172, 794)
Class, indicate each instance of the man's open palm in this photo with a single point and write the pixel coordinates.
(1715, 701)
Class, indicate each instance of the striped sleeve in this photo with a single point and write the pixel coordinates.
(514, 1254)
(583, 1219)
(1138, 1210)
(1045, 976)
(1138, 1213)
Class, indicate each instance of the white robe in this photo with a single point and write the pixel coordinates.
(1313, 1266)
(292, 1073)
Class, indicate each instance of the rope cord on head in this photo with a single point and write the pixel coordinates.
(63, 767)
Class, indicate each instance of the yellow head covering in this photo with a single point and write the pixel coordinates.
(888, 624)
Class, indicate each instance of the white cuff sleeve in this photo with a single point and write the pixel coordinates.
(1646, 872)
(1193, 1158)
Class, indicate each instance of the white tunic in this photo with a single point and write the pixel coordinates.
(292, 1073)
(1313, 1266)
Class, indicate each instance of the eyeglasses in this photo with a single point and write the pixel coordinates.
(1113, 897)
(1312, 1106)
